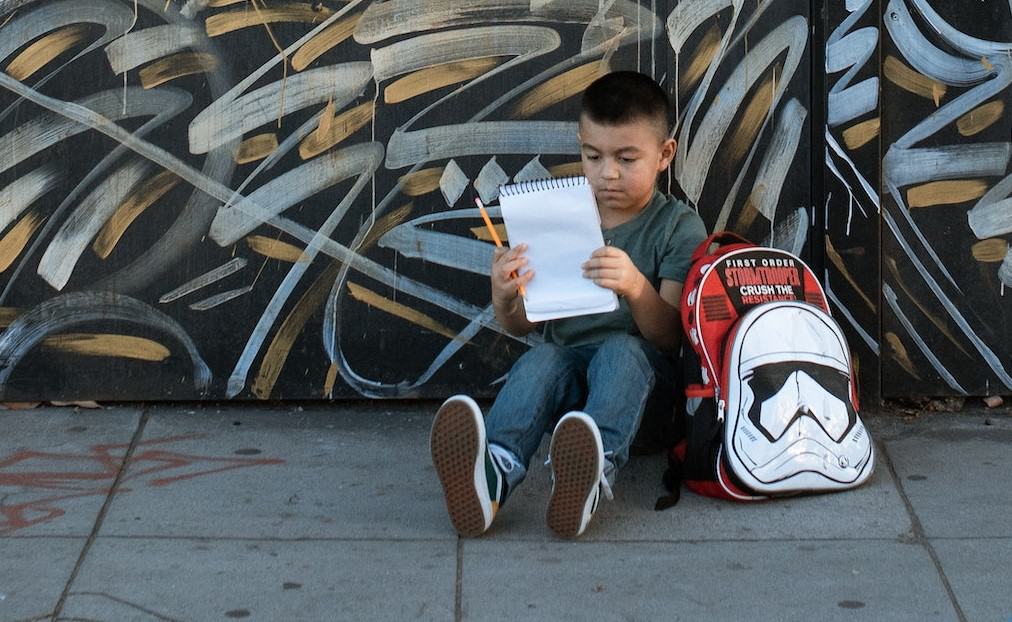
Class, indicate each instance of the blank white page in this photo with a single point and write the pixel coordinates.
(559, 222)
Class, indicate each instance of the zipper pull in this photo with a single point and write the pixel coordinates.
(721, 405)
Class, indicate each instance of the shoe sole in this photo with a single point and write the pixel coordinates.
(456, 450)
(576, 463)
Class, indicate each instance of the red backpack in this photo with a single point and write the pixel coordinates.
(771, 402)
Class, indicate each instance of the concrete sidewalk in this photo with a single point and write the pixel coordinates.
(334, 512)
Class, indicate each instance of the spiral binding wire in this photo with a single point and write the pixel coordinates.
(540, 185)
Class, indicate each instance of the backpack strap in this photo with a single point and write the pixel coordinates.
(720, 238)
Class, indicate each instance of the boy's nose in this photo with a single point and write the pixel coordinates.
(610, 170)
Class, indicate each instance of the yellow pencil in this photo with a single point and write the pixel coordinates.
(495, 236)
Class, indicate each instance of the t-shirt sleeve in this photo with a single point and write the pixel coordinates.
(688, 231)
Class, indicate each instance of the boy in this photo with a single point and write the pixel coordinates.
(600, 371)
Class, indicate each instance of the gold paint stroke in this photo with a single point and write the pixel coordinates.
(256, 148)
(433, 78)
(8, 315)
(134, 205)
(277, 353)
(752, 119)
(421, 182)
(979, 119)
(17, 238)
(275, 249)
(913, 81)
(120, 346)
(328, 383)
(990, 251)
(332, 130)
(860, 134)
(329, 38)
(558, 89)
(171, 67)
(217, 4)
(385, 224)
(705, 52)
(837, 261)
(946, 192)
(42, 52)
(567, 169)
(749, 211)
(230, 21)
(482, 233)
(373, 299)
(894, 271)
(899, 353)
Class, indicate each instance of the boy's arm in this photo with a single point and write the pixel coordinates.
(506, 299)
(655, 312)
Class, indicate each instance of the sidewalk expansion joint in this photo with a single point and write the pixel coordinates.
(458, 591)
(124, 465)
(919, 536)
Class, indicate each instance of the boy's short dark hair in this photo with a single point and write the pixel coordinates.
(624, 96)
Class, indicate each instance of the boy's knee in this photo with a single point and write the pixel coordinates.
(544, 355)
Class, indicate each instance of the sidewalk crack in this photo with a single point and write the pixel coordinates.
(919, 536)
(138, 433)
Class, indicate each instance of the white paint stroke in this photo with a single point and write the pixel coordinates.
(470, 139)
(905, 167)
(489, 178)
(990, 358)
(143, 46)
(695, 158)
(211, 276)
(992, 214)
(534, 169)
(440, 48)
(838, 151)
(444, 249)
(87, 219)
(114, 17)
(63, 313)
(25, 190)
(842, 309)
(776, 162)
(851, 51)
(294, 186)
(220, 299)
(890, 297)
(228, 119)
(790, 232)
(452, 183)
(211, 186)
(46, 130)
(385, 20)
(362, 160)
(1005, 270)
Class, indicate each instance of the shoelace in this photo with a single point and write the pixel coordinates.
(607, 469)
(502, 457)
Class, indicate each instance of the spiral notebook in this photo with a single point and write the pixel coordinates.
(559, 221)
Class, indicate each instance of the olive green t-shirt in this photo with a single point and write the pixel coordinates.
(660, 241)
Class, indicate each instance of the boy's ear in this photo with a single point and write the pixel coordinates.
(667, 153)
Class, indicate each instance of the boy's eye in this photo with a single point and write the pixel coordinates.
(628, 160)
(591, 156)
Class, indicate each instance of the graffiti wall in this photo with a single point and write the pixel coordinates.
(945, 207)
(233, 199)
(849, 200)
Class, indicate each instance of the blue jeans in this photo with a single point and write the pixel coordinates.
(613, 382)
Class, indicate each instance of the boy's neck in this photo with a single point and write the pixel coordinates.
(611, 218)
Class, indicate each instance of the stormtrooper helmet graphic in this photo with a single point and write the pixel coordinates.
(791, 423)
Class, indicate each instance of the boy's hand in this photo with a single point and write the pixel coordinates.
(506, 265)
(611, 268)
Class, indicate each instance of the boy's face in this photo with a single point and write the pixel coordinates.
(622, 163)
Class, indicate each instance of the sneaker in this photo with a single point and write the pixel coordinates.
(577, 459)
(472, 483)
